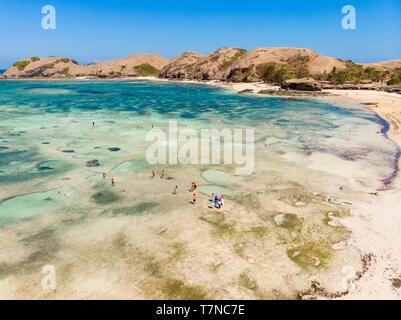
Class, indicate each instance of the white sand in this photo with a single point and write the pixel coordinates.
(376, 226)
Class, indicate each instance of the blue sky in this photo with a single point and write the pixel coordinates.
(98, 29)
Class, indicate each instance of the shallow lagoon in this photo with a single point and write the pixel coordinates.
(312, 158)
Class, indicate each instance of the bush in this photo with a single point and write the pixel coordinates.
(302, 71)
(274, 73)
(395, 77)
(145, 70)
(355, 73)
(65, 60)
(21, 65)
(394, 81)
(34, 59)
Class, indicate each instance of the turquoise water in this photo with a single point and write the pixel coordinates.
(2, 71)
(46, 134)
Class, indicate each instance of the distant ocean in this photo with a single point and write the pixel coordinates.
(2, 71)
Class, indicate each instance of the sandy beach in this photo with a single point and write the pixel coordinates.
(376, 226)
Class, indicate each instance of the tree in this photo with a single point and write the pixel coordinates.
(274, 73)
(337, 77)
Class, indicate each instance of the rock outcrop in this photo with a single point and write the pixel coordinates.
(58, 67)
(305, 84)
(181, 66)
(194, 66)
(393, 89)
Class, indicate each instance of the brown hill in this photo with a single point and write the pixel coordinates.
(181, 66)
(57, 67)
(237, 65)
(387, 65)
(215, 66)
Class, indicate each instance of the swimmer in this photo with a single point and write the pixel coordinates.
(195, 186)
(104, 175)
(93, 124)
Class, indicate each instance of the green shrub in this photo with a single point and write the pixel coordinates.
(274, 73)
(65, 60)
(301, 71)
(395, 77)
(145, 70)
(337, 77)
(355, 73)
(21, 65)
(34, 59)
(394, 81)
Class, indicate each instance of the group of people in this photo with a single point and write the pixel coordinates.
(113, 182)
(162, 174)
(217, 200)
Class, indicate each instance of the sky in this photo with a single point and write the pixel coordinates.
(93, 30)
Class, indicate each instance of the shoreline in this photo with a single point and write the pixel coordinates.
(375, 224)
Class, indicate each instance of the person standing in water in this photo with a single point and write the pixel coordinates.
(153, 174)
(175, 190)
(194, 198)
(104, 175)
(162, 174)
(216, 201)
(221, 201)
(113, 183)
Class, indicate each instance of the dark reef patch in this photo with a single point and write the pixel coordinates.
(142, 207)
(105, 197)
(114, 149)
(93, 163)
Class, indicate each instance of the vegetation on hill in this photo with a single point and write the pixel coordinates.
(298, 65)
(65, 60)
(274, 73)
(395, 77)
(356, 73)
(21, 65)
(146, 70)
(34, 59)
(227, 63)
